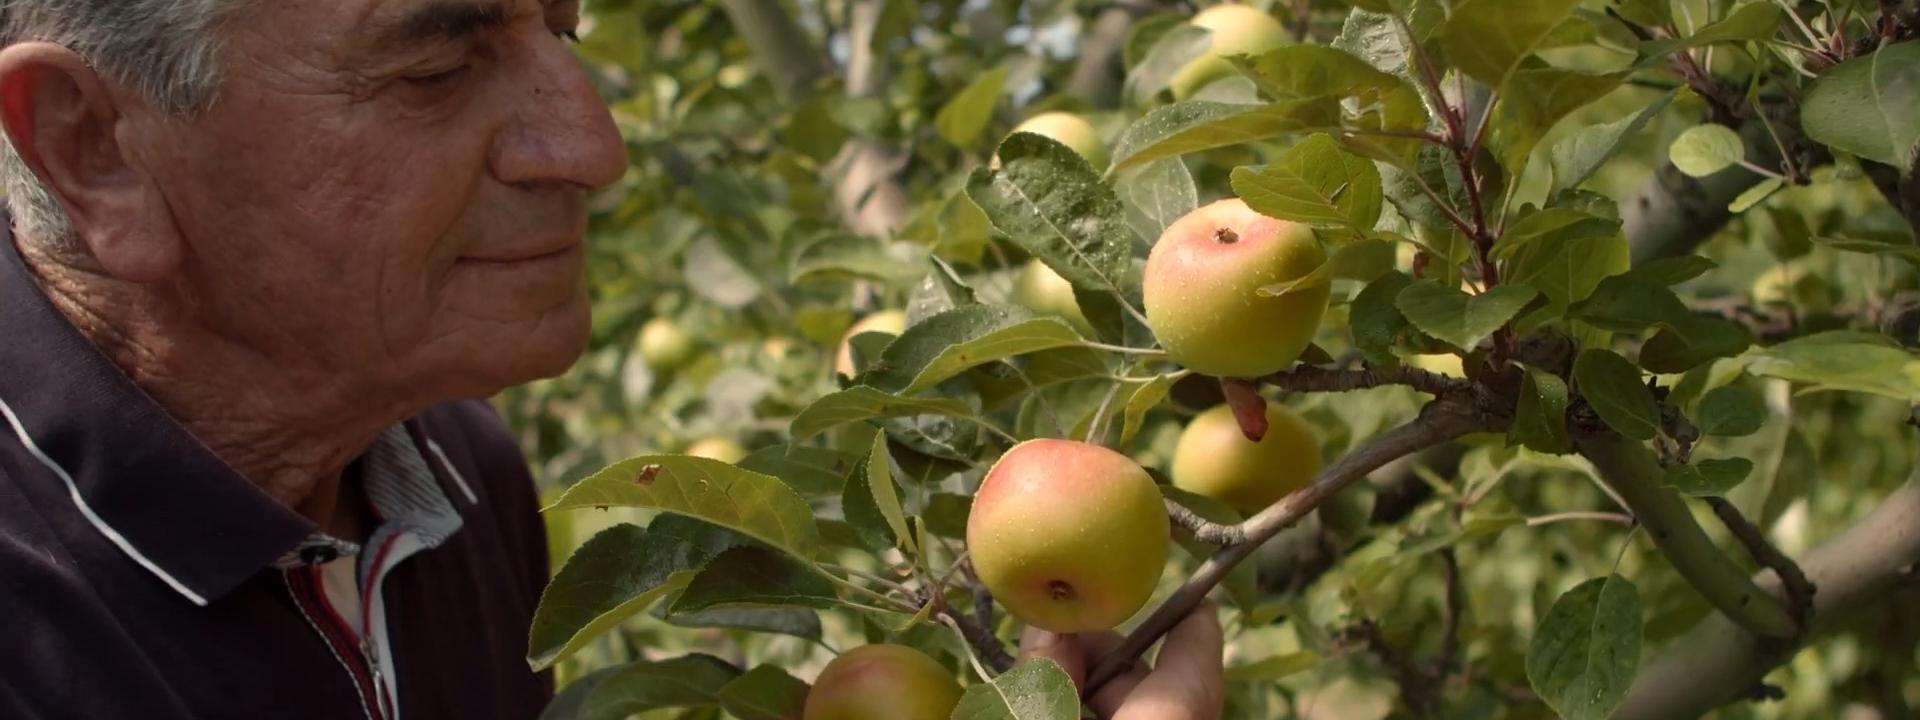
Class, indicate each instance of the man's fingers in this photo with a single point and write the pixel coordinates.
(1063, 649)
(1187, 681)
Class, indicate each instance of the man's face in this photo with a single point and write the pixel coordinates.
(391, 193)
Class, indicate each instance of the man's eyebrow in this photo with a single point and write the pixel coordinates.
(444, 20)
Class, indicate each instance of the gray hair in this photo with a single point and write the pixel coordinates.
(167, 50)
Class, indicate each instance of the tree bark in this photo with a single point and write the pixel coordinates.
(869, 197)
(780, 47)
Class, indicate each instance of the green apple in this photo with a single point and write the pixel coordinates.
(663, 345)
(1042, 290)
(1069, 536)
(892, 322)
(1793, 284)
(1237, 30)
(1072, 131)
(882, 682)
(1202, 283)
(1213, 458)
(718, 448)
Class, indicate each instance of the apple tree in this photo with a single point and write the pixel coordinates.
(1475, 358)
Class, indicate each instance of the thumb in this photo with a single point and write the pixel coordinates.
(1062, 649)
(1187, 678)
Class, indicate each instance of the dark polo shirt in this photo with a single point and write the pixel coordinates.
(142, 577)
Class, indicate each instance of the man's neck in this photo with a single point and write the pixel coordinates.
(289, 430)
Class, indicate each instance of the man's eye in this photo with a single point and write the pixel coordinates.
(439, 78)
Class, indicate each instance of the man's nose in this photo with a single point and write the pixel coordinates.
(561, 131)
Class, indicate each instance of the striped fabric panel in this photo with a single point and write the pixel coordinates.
(403, 492)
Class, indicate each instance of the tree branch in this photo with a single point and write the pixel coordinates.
(1204, 530)
(1317, 378)
(780, 46)
(1718, 661)
(1631, 470)
(1798, 590)
(1096, 74)
(1438, 422)
(871, 201)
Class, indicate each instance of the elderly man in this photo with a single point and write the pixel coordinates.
(260, 251)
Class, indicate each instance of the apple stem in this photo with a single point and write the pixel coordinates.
(1204, 530)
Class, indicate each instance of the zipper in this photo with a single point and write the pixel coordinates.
(381, 708)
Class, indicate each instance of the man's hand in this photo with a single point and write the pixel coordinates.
(1187, 684)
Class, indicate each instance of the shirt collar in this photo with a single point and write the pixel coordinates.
(138, 476)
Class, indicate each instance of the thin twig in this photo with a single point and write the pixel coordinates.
(1154, 352)
(1438, 422)
(1616, 518)
(979, 637)
(1798, 589)
(1456, 606)
(1319, 378)
(1204, 530)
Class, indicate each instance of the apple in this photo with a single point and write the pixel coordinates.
(1793, 284)
(1201, 289)
(663, 345)
(892, 322)
(1042, 290)
(718, 448)
(882, 682)
(1213, 458)
(1237, 30)
(1072, 131)
(1069, 537)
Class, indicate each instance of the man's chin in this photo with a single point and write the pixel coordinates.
(519, 354)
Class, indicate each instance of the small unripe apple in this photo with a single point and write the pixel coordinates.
(892, 322)
(1213, 458)
(663, 345)
(1795, 285)
(1069, 536)
(882, 682)
(718, 448)
(1202, 290)
(1042, 290)
(1236, 30)
(1070, 130)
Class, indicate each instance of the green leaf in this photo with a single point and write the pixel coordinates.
(1754, 195)
(1792, 473)
(966, 116)
(1904, 251)
(756, 577)
(1869, 106)
(567, 703)
(1584, 654)
(1487, 39)
(1556, 225)
(1612, 386)
(1685, 342)
(1731, 411)
(1192, 126)
(1380, 101)
(1649, 13)
(1457, 318)
(1708, 478)
(1047, 200)
(840, 257)
(686, 681)
(759, 506)
(764, 693)
(1537, 99)
(1567, 270)
(1540, 417)
(1316, 183)
(1753, 21)
(1274, 668)
(1629, 304)
(1672, 271)
(1143, 398)
(1376, 320)
(811, 470)
(1361, 260)
(1706, 149)
(607, 580)
(1842, 360)
(862, 402)
(862, 511)
(1173, 49)
(886, 496)
(1035, 689)
(945, 345)
(1578, 156)
(1156, 194)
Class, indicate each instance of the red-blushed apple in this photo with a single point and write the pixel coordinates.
(1202, 290)
(882, 682)
(1072, 131)
(1213, 458)
(1070, 537)
(1236, 30)
(892, 322)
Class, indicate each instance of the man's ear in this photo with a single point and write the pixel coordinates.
(61, 117)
